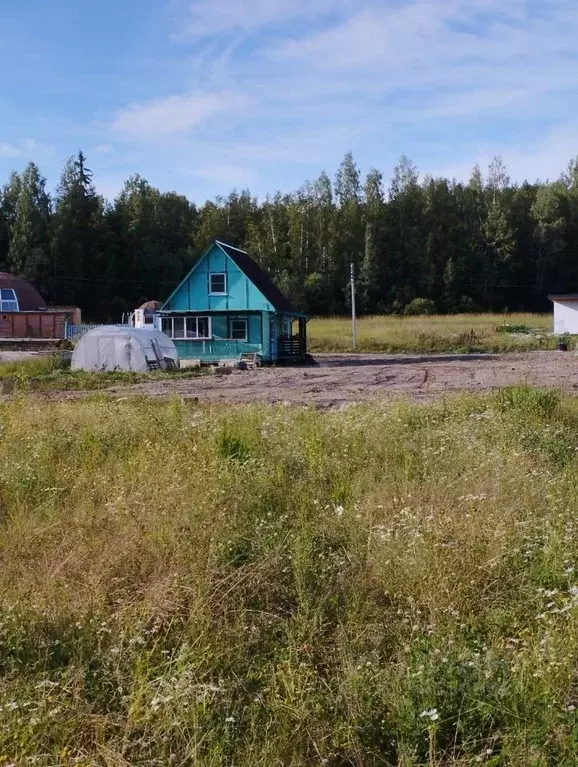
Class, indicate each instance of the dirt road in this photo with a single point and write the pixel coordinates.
(347, 378)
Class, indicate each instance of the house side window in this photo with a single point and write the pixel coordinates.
(218, 284)
(179, 328)
(238, 329)
(8, 300)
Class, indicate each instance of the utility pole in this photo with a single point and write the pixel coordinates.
(353, 332)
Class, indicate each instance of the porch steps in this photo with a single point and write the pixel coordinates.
(250, 359)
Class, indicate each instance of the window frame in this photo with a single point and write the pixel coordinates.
(12, 301)
(188, 321)
(239, 319)
(218, 292)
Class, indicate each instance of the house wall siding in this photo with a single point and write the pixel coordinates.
(193, 295)
(566, 317)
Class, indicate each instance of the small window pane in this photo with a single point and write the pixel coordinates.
(9, 306)
(217, 283)
(7, 294)
(239, 330)
(191, 327)
(203, 327)
(167, 326)
(179, 327)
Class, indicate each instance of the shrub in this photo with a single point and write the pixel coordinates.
(420, 306)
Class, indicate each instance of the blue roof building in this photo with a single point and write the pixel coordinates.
(227, 306)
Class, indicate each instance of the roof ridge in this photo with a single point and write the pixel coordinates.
(226, 244)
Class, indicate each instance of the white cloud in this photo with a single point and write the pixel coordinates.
(226, 176)
(432, 78)
(102, 149)
(28, 148)
(211, 17)
(9, 150)
(176, 114)
(542, 158)
(455, 44)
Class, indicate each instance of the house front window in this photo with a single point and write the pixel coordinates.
(238, 329)
(198, 327)
(218, 284)
(8, 300)
(178, 328)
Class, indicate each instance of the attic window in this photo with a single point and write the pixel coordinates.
(218, 284)
(8, 300)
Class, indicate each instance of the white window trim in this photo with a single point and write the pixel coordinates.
(13, 300)
(188, 319)
(239, 319)
(220, 292)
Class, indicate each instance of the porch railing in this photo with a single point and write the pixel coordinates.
(292, 346)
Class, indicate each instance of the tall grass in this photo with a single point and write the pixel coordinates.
(52, 372)
(440, 333)
(204, 585)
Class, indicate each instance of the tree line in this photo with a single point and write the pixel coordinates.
(421, 245)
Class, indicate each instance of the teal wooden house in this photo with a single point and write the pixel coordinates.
(227, 307)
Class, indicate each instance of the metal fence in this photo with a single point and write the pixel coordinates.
(74, 332)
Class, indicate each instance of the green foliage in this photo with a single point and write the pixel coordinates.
(426, 334)
(526, 400)
(28, 249)
(52, 373)
(486, 245)
(420, 306)
(386, 584)
(523, 329)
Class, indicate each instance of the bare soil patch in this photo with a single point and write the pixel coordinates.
(340, 379)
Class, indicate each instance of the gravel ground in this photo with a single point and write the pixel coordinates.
(339, 379)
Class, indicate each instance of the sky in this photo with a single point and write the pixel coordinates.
(204, 96)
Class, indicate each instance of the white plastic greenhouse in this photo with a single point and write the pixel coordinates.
(109, 348)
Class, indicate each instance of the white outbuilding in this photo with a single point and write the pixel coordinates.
(109, 348)
(565, 314)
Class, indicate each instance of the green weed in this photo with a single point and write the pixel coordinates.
(390, 584)
(425, 334)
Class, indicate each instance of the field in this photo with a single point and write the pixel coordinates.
(256, 585)
(441, 333)
(336, 381)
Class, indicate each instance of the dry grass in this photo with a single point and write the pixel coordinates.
(260, 586)
(440, 333)
(51, 372)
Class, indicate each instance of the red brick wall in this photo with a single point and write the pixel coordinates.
(32, 324)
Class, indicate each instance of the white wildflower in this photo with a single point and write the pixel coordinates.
(230, 719)
(339, 510)
(431, 714)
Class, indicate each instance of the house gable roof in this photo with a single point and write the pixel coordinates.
(563, 297)
(259, 278)
(252, 271)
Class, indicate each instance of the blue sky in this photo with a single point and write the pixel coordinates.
(200, 97)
